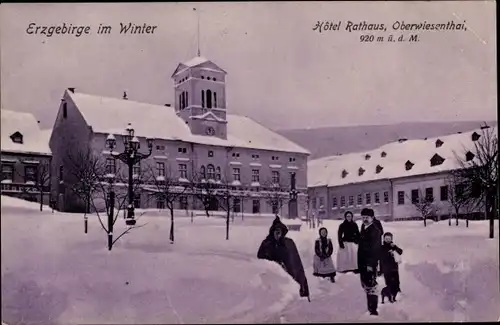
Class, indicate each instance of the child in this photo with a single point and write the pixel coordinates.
(323, 263)
(389, 265)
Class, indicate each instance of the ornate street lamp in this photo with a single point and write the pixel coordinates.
(130, 156)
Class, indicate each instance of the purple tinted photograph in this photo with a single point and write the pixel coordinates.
(249, 162)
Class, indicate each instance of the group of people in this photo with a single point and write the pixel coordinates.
(368, 252)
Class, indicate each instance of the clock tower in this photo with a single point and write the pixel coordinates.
(200, 97)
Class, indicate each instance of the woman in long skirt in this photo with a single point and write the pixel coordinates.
(348, 237)
(322, 262)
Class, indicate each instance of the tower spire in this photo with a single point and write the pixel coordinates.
(198, 31)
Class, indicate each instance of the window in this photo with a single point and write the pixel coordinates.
(276, 177)
(386, 196)
(439, 143)
(110, 166)
(7, 172)
(236, 205)
(368, 197)
(361, 171)
(378, 169)
(202, 97)
(344, 173)
(203, 172)
(214, 79)
(137, 201)
(160, 167)
(160, 203)
(293, 180)
(236, 154)
(436, 160)
(383, 154)
(61, 172)
(313, 203)
(182, 150)
(183, 202)
(291, 159)
(255, 175)
(210, 153)
(275, 158)
(186, 100)
(360, 199)
(414, 196)
(255, 157)
(351, 200)
(377, 197)
(459, 190)
(367, 157)
(180, 101)
(160, 147)
(17, 137)
(65, 110)
(409, 165)
(217, 174)
(429, 194)
(334, 202)
(255, 206)
(475, 136)
(236, 174)
(215, 99)
(182, 170)
(321, 202)
(30, 173)
(401, 197)
(210, 172)
(444, 193)
(136, 170)
(209, 98)
(208, 78)
(469, 156)
(342, 201)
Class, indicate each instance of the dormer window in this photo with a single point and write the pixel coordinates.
(367, 156)
(378, 169)
(469, 156)
(344, 173)
(402, 140)
(383, 154)
(436, 160)
(17, 137)
(409, 165)
(439, 143)
(475, 136)
(361, 171)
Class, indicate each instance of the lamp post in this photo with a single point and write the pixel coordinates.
(130, 156)
(293, 194)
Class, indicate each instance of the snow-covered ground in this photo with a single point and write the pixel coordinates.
(54, 273)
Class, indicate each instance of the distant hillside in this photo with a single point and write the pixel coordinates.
(329, 141)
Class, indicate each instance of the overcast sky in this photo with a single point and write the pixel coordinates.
(280, 71)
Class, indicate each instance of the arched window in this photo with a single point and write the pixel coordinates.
(203, 172)
(215, 99)
(180, 101)
(210, 172)
(187, 101)
(183, 105)
(209, 98)
(202, 98)
(217, 174)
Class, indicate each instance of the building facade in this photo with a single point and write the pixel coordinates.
(393, 178)
(197, 140)
(26, 158)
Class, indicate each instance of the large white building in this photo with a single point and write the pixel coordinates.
(389, 178)
(198, 135)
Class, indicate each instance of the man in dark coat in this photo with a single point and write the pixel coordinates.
(376, 223)
(282, 250)
(369, 250)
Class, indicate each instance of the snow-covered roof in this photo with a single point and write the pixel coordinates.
(111, 115)
(196, 61)
(328, 171)
(34, 140)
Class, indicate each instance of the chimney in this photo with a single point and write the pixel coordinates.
(168, 105)
(72, 89)
(125, 95)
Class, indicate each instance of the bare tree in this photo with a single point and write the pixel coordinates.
(219, 189)
(479, 171)
(457, 198)
(275, 194)
(40, 177)
(94, 182)
(424, 204)
(167, 189)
